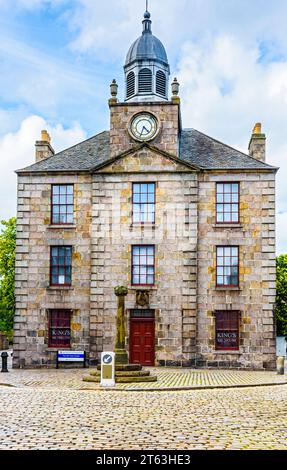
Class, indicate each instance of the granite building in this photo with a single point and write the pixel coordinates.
(186, 222)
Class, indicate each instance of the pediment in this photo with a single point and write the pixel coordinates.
(145, 159)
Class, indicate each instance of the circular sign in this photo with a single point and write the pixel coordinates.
(107, 359)
(144, 127)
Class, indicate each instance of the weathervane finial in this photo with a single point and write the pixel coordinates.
(147, 20)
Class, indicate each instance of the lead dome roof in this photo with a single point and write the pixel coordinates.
(147, 46)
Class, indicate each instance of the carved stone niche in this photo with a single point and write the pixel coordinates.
(142, 298)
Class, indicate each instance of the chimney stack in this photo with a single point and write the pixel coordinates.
(43, 147)
(257, 144)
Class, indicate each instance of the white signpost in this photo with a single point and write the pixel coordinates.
(108, 369)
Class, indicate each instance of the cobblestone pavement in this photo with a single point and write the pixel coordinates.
(167, 379)
(231, 419)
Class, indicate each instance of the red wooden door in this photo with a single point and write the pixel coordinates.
(142, 331)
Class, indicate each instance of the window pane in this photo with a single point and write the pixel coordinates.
(56, 189)
(136, 188)
(235, 251)
(219, 280)
(136, 279)
(227, 217)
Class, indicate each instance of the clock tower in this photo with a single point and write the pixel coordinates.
(147, 115)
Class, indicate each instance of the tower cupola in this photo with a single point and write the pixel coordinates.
(146, 69)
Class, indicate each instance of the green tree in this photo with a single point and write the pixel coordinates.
(281, 295)
(7, 275)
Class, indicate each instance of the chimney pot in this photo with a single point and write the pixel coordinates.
(257, 144)
(45, 136)
(43, 147)
(257, 128)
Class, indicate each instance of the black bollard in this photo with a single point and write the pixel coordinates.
(4, 357)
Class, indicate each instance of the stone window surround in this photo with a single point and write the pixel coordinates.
(141, 183)
(68, 315)
(226, 286)
(61, 227)
(66, 205)
(65, 266)
(147, 265)
(227, 203)
(229, 327)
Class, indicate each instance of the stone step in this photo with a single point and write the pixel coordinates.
(126, 367)
(134, 373)
(121, 380)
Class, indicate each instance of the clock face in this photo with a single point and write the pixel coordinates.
(144, 127)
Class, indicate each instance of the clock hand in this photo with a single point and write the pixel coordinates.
(144, 128)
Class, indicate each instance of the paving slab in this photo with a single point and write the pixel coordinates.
(168, 379)
(244, 419)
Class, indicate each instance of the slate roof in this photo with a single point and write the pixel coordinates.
(196, 149)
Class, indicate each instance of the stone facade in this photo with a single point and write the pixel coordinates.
(175, 237)
(34, 296)
(185, 236)
(185, 166)
(255, 297)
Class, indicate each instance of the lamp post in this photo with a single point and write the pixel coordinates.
(120, 348)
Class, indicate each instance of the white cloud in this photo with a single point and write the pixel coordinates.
(39, 79)
(17, 151)
(225, 90)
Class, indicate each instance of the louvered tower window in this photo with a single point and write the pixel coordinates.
(131, 84)
(145, 81)
(160, 83)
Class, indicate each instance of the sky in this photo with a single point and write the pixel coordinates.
(58, 58)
